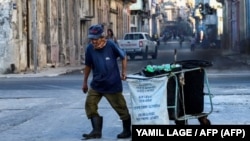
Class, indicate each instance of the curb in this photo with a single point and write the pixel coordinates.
(51, 72)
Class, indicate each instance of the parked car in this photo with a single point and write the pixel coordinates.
(139, 44)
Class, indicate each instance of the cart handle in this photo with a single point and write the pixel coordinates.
(163, 75)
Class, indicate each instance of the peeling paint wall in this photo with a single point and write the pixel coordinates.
(7, 26)
(22, 12)
(61, 32)
(41, 31)
(53, 45)
(60, 27)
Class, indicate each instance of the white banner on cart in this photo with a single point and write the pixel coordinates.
(149, 100)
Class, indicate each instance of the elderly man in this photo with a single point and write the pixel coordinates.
(101, 58)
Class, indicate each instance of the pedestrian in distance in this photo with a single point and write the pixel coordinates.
(192, 42)
(156, 39)
(181, 39)
(101, 58)
(111, 36)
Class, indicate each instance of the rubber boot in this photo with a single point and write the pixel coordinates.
(126, 133)
(97, 128)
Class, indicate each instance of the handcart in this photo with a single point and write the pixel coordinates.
(187, 89)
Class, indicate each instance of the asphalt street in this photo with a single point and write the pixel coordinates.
(53, 112)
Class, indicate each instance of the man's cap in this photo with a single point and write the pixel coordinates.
(95, 31)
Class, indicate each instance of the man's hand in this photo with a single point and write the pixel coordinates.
(123, 76)
(85, 88)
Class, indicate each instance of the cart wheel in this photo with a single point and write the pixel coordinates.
(204, 121)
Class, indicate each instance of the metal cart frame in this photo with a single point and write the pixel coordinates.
(180, 120)
(202, 117)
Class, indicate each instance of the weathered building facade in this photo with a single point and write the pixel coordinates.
(35, 34)
(146, 16)
(236, 27)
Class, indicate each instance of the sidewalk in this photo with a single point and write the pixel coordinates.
(45, 72)
(240, 58)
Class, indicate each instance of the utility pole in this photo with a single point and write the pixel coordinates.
(34, 33)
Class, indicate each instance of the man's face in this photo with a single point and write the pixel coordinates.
(98, 43)
(95, 42)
